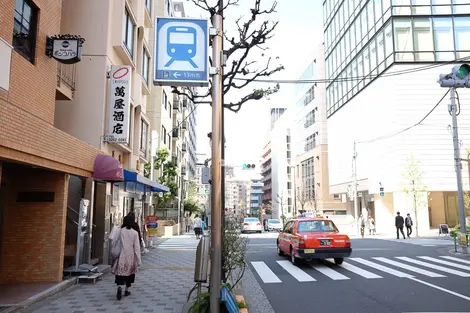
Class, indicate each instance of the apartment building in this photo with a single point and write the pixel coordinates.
(203, 190)
(282, 166)
(236, 197)
(37, 159)
(312, 192)
(266, 173)
(392, 53)
(256, 197)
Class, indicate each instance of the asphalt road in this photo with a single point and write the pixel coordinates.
(381, 276)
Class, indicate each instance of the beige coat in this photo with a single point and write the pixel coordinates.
(129, 260)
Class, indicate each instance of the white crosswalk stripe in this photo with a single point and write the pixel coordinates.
(436, 267)
(295, 271)
(409, 268)
(362, 268)
(186, 244)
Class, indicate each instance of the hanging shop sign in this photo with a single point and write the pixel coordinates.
(65, 49)
(119, 107)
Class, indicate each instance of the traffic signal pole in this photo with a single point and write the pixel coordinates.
(217, 143)
(458, 163)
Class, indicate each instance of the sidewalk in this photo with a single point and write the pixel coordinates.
(162, 285)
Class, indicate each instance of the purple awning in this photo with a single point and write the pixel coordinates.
(107, 168)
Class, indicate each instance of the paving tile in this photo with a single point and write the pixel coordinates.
(162, 285)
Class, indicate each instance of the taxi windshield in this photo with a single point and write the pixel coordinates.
(317, 226)
(274, 221)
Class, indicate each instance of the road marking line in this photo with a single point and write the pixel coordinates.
(429, 245)
(331, 273)
(409, 267)
(382, 268)
(372, 249)
(433, 266)
(461, 266)
(441, 289)
(265, 273)
(359, 271)
(456, 259)
(298, 274)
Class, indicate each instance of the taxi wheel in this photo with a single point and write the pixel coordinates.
(279, 251)
(294, 260)
(339, 261)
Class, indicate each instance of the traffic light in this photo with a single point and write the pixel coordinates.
(248, 166)
(459, 77)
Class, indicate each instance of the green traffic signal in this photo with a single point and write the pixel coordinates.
(244, 166)
(463, 71)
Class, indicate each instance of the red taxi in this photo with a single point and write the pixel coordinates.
(313, 238)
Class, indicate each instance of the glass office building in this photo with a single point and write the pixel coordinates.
(363, 38)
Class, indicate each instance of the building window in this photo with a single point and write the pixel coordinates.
(422, 39)
(144, 127)
(164, 99)
(24, 28)
(148, 5)
(164, 134)
(443, 39)
(462, 35)
(169, 111)
(169, 140)
(310, 119)
(129, 28)
(145, 64)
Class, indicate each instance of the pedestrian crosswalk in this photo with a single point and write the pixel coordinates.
(179, 244)
(278, 271)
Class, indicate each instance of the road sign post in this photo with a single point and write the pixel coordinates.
(181, 52)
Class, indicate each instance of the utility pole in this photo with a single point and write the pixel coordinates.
(216, 184)
(415, 207)
(458, 164)
(356, 211)
(222, 131)
(459, 77)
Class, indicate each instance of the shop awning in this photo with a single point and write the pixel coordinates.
(155, 187)
(107, 168)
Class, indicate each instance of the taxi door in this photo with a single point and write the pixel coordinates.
(287, 236)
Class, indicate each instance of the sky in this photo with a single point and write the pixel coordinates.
(299, 31)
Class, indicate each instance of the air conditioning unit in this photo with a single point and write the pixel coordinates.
(337, 197)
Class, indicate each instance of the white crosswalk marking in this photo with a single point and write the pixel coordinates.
(298, 274)
(382, 268)
(266, 275)
(433, 266)
(409, 267)
(461, 266)
(187, 244)
(331, 273)
(456, 259)
(359, 271)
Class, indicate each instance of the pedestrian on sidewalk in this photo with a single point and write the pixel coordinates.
(408, 224)
(126, 265)
(197, 226)
(399, 222)
(371, 225)
(362, 220)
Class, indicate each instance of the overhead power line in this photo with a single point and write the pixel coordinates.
(370, 76)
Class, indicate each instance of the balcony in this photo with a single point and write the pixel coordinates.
(184, 147)
(176, 134)
(184, 125)
(183, 170)
(176, 105)
(65, 81)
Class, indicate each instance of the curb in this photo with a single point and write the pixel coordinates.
(242, 300)
(42, 295)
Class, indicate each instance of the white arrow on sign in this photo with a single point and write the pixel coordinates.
(176, 74)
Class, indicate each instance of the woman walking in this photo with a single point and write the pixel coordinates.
(129, 259)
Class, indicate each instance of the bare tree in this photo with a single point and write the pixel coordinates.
(302, 198)
(281, 202)
(252, 31)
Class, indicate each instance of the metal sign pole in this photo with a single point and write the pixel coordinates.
(216, 190)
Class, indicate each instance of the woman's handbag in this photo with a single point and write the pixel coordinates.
(116, 244)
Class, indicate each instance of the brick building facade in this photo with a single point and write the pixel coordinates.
(35, 156)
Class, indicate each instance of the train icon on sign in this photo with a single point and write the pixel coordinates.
(181, 45)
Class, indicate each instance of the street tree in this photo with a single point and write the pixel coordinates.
(252, 34)
(302, 198)
(413, 186)
(281, 201)
(166, 171)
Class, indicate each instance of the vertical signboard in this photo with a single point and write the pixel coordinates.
(119, 105)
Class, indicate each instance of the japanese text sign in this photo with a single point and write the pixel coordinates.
(119, 105)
